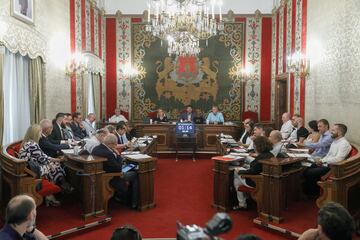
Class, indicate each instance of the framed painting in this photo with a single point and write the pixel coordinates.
(23, 10)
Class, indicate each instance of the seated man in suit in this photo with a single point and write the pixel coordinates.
(339, 150)
(215, 116)
(122, 138)
(88, 124)
(96, 140)
(118, 117)
(77, 126)
(50, 147)
(66, 127)
(263, 149)
(57, 133)
(114, 164)
(188, 115)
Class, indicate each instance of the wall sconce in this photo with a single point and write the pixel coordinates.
(129, 71)
(77, 65)
(81, 63)
(298, 64)
(246, 74)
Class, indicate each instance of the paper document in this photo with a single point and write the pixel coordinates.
(305, 155)
(68, 151)
(130, 152)
(302, 150)
(138, 156)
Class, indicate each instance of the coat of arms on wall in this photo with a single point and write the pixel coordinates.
(202, 81)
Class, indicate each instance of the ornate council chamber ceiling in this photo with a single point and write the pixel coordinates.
(202, 81)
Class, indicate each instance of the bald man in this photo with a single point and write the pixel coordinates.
(20, 220)
(114, 164)
(275, 138)
(287, 126)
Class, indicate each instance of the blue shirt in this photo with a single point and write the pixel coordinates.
(321, 147)
(218, 117)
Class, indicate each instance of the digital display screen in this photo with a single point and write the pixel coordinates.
(185, 128)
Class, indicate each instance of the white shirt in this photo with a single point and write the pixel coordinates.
(277, 147)
(286, 129)
(90, 130)
(293, 135)
(339, 150)
(91, 143)
(116, 119)
(248, 140)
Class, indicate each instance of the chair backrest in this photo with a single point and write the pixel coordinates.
(14, 149)
(125, 114)
(249, 114)
(152, 115)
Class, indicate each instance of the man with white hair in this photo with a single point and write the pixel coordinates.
(287, 126)
(275, 138)
(118, 117)
(89, 123)
(96, 140)
(50, 147)
(114, 164)
(20, 218)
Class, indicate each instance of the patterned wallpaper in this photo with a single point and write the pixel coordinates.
(333, 37)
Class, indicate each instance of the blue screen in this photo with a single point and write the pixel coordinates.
(185, 128)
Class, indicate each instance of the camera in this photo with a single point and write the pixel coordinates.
(220, 223)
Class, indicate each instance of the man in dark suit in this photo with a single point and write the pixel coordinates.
(188, 115)
(114, 164)
(50, 147)
(77, 127)
(57, 133)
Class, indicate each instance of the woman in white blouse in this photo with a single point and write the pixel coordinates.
(245, 139)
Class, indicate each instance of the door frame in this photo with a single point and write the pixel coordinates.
(280, 79)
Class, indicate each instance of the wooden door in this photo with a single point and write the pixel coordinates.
(281, 98)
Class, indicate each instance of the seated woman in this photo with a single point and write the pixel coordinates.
(39, 162)
(314, 135)
(263, 147)
(245, 139)
(160, 117)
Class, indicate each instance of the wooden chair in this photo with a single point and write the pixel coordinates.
(255, 193)
(16, 178)
(249, 114)
(108, 190)
(342, 184)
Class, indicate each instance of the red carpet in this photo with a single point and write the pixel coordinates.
(183, 191)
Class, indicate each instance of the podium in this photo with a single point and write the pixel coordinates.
(185, 139)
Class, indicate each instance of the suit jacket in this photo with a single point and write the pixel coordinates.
(114, 161)
(255, 167)
(51, 149)
(56, 134)
(78, 132)
(184, 116)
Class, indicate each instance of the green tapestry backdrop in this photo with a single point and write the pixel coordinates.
(171, 83)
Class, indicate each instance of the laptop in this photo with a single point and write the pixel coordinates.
(198, 120)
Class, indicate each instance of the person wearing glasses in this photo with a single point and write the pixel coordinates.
(245, 139)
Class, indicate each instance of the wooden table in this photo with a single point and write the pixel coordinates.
(147, 167)
(86, 176)
(281, 185)
(90, 173)
(224, 190)
(205, 140)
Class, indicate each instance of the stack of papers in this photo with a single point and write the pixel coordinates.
(68, 151)
(130, 152)
(305, 155)
(299, 150)
(138, 156)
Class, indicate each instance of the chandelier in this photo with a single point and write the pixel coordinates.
(184, 23)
